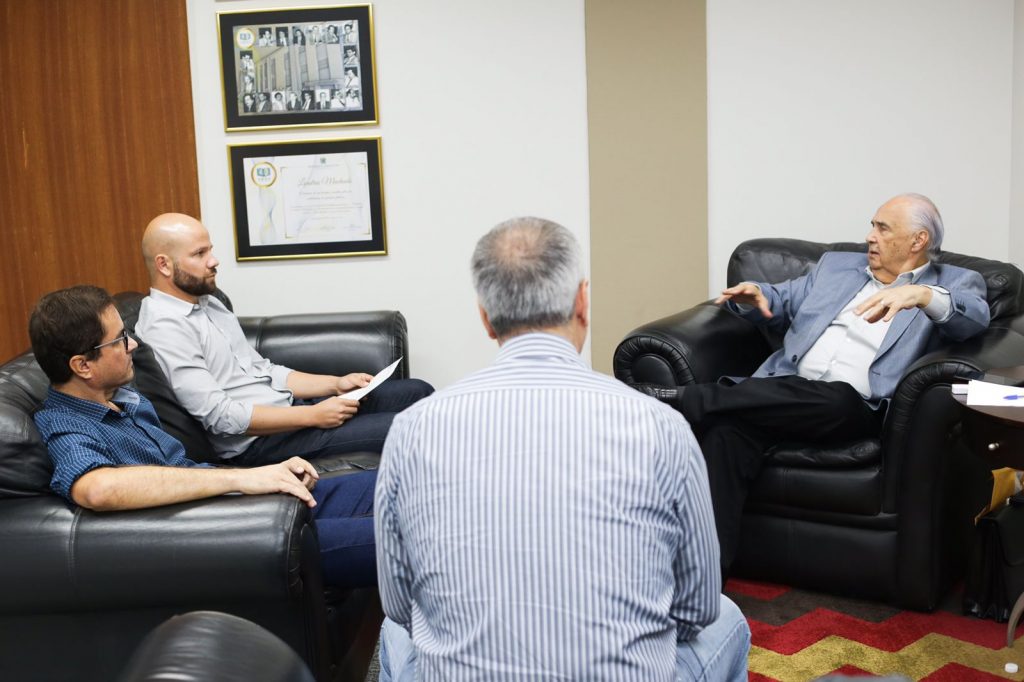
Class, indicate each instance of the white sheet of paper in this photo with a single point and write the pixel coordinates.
(379, 379)
(985, 393)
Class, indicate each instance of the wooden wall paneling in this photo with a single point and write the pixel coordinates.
(96, 138)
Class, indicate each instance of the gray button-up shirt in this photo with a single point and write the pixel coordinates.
(214, 372)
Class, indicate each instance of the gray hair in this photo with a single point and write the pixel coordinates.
(925, 216)
(526, 272)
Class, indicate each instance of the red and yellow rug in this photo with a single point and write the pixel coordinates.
(801, 635)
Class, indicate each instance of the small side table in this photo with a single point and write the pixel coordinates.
(997, 434)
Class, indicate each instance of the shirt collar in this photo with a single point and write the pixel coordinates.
(909, 277)
(176, 304)
(125, 398)
(539, 344)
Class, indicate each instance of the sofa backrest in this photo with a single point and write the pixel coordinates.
(25, 467)
(777, 260)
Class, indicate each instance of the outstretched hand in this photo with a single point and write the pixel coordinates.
(746, 293)
(295, 477)
(886, 303)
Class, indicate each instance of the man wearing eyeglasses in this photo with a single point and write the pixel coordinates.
(109, 452)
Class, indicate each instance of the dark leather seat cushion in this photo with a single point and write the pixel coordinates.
(858, 453)
(822, 493)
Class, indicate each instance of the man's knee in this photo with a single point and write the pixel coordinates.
(719, 651)
(396, 395)
(397, 655)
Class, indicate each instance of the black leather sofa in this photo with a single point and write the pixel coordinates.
(887, 518)
(81, 589)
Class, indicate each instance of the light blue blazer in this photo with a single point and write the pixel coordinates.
(804, 307)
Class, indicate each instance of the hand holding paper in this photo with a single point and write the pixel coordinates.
(377, 380)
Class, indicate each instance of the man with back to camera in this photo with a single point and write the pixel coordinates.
(540, 520)
(853, 325)
(244, 401)
(109, 452)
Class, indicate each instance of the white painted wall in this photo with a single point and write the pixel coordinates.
(483, 117)
(1017, 147)
(820, 110)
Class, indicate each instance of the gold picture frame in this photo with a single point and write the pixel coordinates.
(297, 67)
(308, 199)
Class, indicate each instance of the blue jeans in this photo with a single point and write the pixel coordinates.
(344, 523)
(717, 654)
(364, 432)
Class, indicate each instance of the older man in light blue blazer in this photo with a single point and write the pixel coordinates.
(853, 326)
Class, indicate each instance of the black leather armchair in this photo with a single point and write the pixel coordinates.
(81, 589)
(205, 646)
(887, 518)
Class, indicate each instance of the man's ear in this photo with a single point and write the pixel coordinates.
(581, 308)
(487, 322)
(80, 366)
(163, 264)
(920, 243)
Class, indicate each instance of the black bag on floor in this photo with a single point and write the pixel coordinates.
(995, 571)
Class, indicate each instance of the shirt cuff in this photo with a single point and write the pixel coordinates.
(279, 377)
(248, 419)
(939, 308)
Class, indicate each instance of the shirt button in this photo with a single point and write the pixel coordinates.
(794, 358)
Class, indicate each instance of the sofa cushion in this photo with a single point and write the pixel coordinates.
(819, 494)
(856, 454)
(25, 467)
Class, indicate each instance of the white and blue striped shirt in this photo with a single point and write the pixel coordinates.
(538, 520)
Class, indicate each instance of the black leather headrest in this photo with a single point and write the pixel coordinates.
(25, 467)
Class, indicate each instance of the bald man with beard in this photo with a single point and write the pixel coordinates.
(256, 412)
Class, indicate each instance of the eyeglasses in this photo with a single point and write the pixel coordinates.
(123, 338)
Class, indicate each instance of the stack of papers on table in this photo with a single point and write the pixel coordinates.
(986, 393)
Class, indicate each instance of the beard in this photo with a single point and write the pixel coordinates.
(192, 285)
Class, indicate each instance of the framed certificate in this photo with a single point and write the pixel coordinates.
(311, 66)
(308, 199)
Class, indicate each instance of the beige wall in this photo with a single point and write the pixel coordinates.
(647, 112)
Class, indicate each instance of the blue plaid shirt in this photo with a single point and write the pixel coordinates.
(82, 435)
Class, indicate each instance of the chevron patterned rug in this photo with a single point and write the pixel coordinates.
(800, 636)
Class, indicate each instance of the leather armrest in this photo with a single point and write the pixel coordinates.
(922, 413)
(694, 346)
(994, 348)
(61, 558)
(332, 343)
